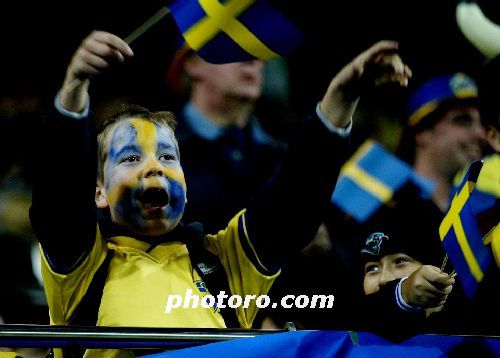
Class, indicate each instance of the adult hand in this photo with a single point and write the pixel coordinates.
(378, 64)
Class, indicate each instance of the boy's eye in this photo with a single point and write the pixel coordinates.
(371, 268)
(131, 159)
(167, 157)
(402, 260)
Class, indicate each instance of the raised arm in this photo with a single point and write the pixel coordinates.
(63, 213)
(96, 53)
(377, 65)
(286, 214)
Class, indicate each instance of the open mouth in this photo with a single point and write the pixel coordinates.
(472, 151)
(154, 198)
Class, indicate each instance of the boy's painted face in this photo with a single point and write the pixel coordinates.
(144, 185)
(386, 269)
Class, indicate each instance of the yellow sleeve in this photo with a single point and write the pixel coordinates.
(65, 291)
(246, 274)
(489, 177)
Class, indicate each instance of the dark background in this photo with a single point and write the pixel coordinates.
(39, 37)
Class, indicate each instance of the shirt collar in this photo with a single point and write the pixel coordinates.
(210, 131)
(199, 124)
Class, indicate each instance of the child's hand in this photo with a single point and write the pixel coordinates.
(379, 64)
(96, 53)
(427, 287)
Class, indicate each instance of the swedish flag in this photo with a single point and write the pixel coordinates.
(460, 234)
(223, 31)
(487, 189)
(371, 178)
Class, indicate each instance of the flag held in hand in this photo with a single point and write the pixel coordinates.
(223, 31)
(460, 234)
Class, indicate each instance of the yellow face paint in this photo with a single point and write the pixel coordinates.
(146, 135)
(147, 139)
(138, 148)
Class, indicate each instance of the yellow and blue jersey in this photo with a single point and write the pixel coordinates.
(140, 276)
(140, 281)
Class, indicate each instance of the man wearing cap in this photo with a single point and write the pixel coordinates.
(444, 132)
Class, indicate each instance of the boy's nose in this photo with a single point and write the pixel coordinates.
(386, 277)
(153, 171)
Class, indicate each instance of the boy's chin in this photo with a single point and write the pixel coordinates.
(158, 227)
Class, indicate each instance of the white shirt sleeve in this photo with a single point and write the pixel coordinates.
(84, 113)
(343, 132)
(401, 302)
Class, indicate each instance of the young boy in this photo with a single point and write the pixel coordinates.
(419, 287)
(138, 248)
(401, 291)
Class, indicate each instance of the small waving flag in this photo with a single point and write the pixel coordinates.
(460, 234)
(223, 31)
(486, 203)
(371, 178)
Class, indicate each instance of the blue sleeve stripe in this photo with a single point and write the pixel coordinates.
(249, 249)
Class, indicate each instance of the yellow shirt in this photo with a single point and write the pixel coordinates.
(139, 283)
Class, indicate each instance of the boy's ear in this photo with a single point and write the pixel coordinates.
(493, 138)
(100, 197)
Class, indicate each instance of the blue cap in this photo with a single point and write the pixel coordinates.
(427, 98)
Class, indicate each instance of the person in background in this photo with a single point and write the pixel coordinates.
(231, 136)
(444, 133)
(225, 146)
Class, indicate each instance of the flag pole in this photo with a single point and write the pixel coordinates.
(160, 14)
(443, 265)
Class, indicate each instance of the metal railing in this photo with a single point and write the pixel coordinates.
(14, 335)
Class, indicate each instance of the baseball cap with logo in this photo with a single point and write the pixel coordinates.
(431, 99)
(385, 239)
(433, 93)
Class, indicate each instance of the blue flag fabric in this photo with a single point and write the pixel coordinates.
(371, 178)
(460, 234)
(312, 344)
(223, 31)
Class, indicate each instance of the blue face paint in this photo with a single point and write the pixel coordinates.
(143, 158)
(177, 200)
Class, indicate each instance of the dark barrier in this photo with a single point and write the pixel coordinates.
(286, 343)
(12, 335)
